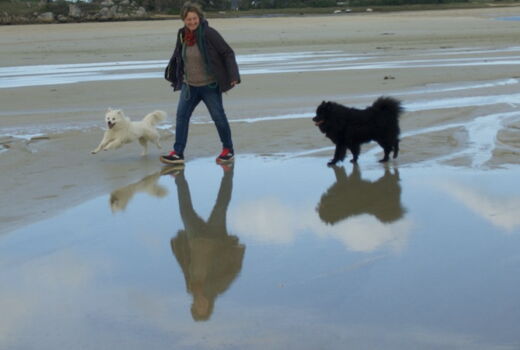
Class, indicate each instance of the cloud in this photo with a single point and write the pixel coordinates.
(501, 211)
(365, 233)
(269, 220)
(266, 220)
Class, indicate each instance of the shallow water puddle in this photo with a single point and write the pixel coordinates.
(273, 253)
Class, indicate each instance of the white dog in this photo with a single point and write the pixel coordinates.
(122, 130)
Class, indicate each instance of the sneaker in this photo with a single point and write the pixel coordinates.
(226, 155)
(172, 158)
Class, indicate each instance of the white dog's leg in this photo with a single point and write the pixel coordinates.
(155, 139)
(143, 143)
(113, 144)
(102, 144)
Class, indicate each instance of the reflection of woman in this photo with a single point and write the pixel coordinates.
(351, 196)
(210, 258)
(203, 66)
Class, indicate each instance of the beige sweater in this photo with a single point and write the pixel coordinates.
(194, 71)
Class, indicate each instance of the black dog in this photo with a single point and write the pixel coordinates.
(348, 128)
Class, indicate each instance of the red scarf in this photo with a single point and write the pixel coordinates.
(189, 37)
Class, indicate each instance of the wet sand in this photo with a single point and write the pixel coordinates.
(457, 73)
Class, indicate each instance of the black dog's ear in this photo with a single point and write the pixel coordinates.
(324, 104)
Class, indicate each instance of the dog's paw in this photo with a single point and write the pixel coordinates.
(93, 152)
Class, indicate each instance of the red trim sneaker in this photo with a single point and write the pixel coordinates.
(227, 155)
(172, 158)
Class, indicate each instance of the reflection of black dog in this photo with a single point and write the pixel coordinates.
(209, 256)
(348, 128)
(351, 196)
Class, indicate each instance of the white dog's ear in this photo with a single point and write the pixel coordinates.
(109, 109)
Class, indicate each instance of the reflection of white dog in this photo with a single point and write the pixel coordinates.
(120, 198)
(122, 130)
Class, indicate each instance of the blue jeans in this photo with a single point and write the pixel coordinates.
(189, 99)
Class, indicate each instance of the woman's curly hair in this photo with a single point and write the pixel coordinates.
(191, 7)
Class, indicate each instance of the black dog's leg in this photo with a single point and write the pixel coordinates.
(396, 148)
(387, 150)
(355, 149)
(339, 154)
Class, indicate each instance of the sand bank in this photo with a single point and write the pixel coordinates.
(466, 61)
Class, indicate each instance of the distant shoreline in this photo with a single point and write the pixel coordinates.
(41, 16)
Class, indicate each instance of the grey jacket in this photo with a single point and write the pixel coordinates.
(219, 57)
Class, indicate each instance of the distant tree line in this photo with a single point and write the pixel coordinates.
(226, 5)
(173, 6)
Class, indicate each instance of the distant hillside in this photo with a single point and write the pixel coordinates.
(61, 11)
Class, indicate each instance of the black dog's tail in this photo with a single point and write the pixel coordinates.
(389, 106)
(387, 111)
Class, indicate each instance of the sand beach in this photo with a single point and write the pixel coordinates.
(413, 50)
(458, 75)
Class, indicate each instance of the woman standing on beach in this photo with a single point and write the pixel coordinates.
(202, 66)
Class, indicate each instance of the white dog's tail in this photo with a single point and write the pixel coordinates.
(154, 117)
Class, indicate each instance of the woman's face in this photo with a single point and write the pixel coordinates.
(191, 21)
